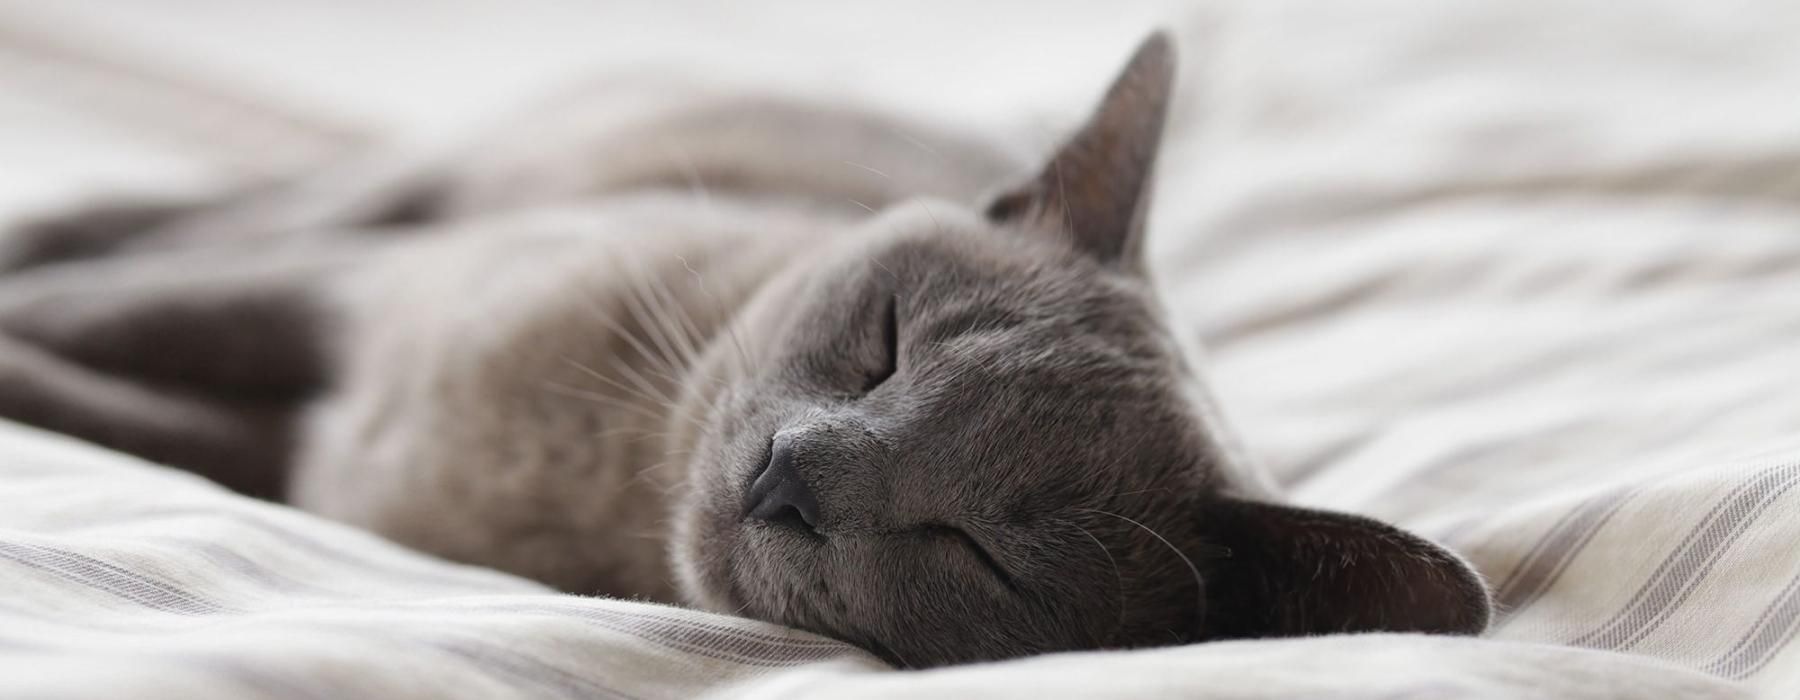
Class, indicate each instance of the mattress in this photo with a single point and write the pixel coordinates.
(1523, 277)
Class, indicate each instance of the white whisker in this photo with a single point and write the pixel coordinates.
(1199, 584)
(920, 144)
(724, 319)
(868, 168)
(637, 305)
(624, 334)
(652, 398)
(680, 324)
(1117, 575)
(603, 399)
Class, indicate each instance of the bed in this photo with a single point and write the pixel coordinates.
(1522, 276)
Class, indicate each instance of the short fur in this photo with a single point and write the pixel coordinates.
(572, 358)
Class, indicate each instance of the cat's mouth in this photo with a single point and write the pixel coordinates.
(765, 584)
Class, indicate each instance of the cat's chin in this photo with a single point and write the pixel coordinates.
(726, 565)
(765, 579)
(753, 569)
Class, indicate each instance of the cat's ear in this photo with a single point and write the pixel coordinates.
(1296, 571)
(1096, 188)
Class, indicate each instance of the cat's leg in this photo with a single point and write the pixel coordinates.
(86, 232)
(199, 361)
(236, 324)
(241, 445)
(365, 194)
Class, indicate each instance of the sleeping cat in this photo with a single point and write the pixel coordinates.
(747, 354)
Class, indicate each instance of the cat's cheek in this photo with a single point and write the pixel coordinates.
(701, 557)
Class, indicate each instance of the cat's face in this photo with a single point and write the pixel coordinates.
(963, 436)
(977, 419)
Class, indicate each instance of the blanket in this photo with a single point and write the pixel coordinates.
(1521, 276)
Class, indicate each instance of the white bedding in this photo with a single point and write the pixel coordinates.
(1523, 276)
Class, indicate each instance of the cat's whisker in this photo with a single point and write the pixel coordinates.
(725, 320)
(655, 394)
(645, 394)
(629, 337)
(920, 144)
(686, 332)
(627, 433)
(869, 168)
(677, 320)
(603, 399)
(646, 389)
(932, 214)
(890, 271)
(865, 207)
(637, 304)
(1199, 584)
(634, 434)
(1117, 575)
(643, 475)
(682, 328)
(596, 374)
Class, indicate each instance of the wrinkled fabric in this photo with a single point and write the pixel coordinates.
(1521, 276)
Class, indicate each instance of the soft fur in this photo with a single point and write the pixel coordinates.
(570, 353)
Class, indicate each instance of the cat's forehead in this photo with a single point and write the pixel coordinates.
(946, 258)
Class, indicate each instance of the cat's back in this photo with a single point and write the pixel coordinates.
(719, 141)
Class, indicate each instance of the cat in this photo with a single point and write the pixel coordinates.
(808, 364)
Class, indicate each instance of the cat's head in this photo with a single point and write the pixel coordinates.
(971, 435)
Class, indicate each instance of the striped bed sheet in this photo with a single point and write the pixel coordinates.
(1520, 276)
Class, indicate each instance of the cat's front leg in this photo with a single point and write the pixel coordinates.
(364, 196)
(239, 444)
(89, 231)
(199, 361)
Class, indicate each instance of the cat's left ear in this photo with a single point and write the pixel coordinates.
(1096, 188)
(1295, 571)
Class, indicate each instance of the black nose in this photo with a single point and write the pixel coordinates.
(779, 495)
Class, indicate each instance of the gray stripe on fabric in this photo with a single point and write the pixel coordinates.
(99, 575)
(712, 641)
(428, 571)
(716, 641)
(1553, 553)
(259, 680)
(524, 670)
(1684, 568)
(1771, 632)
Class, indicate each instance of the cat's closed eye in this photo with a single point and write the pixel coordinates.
(890, 347)
(962, 539)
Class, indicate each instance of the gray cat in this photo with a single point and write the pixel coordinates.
(741, 353)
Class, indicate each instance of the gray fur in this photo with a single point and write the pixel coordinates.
(571, 359)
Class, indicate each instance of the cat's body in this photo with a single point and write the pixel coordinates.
(506, 372)
(746, 354)
(513, 426)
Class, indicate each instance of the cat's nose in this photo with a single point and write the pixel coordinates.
(779, 495)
